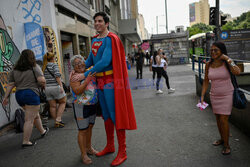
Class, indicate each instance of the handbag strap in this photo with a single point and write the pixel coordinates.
(36, 79)
(233, 78)
(34, 75)
(50, 72)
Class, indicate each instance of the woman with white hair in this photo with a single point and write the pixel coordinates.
(84, 106)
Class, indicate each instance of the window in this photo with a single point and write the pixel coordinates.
(107, 6)
(91, 2)
(83, 46)
(99, 5)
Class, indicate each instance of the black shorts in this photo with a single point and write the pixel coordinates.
(84, 115)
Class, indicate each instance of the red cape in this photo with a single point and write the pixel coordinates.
(124, 110)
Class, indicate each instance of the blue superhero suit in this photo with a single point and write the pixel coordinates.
(101, 59)
(108, 57)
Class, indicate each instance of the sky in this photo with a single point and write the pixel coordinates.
(178, 12)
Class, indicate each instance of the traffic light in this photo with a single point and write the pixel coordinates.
(212, 16)
(223, 20)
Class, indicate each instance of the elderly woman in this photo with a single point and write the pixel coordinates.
(221, 92)
(54, 89)
(27, 77)
(85, 106)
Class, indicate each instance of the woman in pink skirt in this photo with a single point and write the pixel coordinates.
(221, 91)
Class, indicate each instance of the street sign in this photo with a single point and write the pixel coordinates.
(237, 43)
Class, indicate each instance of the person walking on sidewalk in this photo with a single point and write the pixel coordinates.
(147, 58)
(153, 66)
(27, 93)
(221, 92)
(161, 71)
(139, 58)
(54, 89)
(84, 105)
(108, 59)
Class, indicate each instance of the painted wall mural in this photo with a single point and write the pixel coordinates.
(51, 43)
(9, 54)
(31, 9)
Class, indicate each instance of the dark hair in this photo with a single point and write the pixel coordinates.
(154, 56)
(26, 61)
(221, 46)
(104, 15)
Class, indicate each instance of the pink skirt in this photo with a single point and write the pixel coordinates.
(222, 104)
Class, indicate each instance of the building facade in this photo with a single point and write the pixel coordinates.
(199, 12)
(128, 25)
(175, 46)
(143, 31)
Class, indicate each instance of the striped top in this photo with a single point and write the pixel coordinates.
(54, 69)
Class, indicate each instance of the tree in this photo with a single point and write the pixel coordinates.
(228, 26)
(242, 22)
(199, 28)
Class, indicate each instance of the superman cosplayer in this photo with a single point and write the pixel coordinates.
(107, 57)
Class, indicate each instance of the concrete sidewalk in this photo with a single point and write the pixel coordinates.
(171, 132)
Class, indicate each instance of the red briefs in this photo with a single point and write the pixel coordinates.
(104, 80)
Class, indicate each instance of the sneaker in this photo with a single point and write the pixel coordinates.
(159, 92)
(171, 90)
(28, 145)
(46, 132)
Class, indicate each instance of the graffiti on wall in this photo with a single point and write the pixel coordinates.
(9, 54)
(31, 9)
(51, 43)
(34, 39)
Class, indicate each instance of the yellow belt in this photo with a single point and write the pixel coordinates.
(101, 74)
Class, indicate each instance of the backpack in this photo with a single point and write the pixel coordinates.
(19, 120)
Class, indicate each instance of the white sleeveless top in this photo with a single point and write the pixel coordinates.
(162, 63)
(153, 65)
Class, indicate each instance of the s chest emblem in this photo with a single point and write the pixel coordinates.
(95, 47)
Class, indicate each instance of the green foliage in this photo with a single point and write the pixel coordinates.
(199, 28)
(242, 22)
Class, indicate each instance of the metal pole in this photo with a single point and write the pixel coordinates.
(157, 24)
(217, 14)
(166, 13)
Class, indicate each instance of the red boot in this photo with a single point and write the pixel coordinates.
(110, 147)
(122, 155)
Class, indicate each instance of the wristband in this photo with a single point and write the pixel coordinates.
(232, 64)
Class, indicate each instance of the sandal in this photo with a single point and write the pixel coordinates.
(92, 151)
(226, 150)
(218, 142)
(86, 160)
(59, 124)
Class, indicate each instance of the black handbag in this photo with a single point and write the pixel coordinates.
(43, 98)
(239, 98)
(42, 94)
(65, 88)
